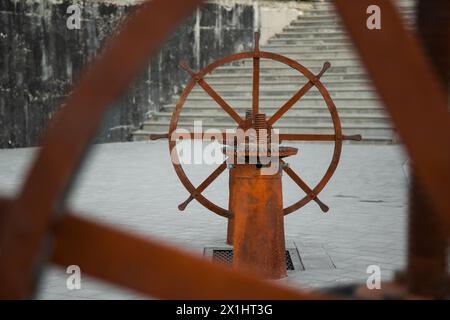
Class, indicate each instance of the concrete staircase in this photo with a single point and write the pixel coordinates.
(313, 38)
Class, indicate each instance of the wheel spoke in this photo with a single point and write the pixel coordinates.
(298, 95)
(158, 270)
(256, 71)
(221, 137)
(317, 137)
(302, 184)
(203, 185)
(67, 140)
(213, 94)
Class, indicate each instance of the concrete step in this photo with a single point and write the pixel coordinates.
(309, 101)
(329, 27)
(314, 22)
(308, 22)
(337, 42)
(380, 131)
(334, 25)
(269, 66)
(330, 11)
(300, 47)
(401, 4)
(347, 64)
(335, 20)
(407, 8)
(308, 44)
(269, 110)
(284, 95)
(301, 55)
(292, 118)
(324, 19)
(310, 60)
(289, 86)
(143, 135)
(236, 78)
(276, 68)
(314, 35)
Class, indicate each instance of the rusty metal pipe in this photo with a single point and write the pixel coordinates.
(257, 205)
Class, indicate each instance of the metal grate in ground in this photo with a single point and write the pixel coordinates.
(225, 256)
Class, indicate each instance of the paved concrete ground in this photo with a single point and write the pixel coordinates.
(133, 186)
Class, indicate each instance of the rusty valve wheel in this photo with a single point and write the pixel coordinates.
(257, 55)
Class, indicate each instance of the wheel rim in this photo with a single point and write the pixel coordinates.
(269, 56)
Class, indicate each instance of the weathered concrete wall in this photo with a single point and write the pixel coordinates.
(274, 16)
(40, 59)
